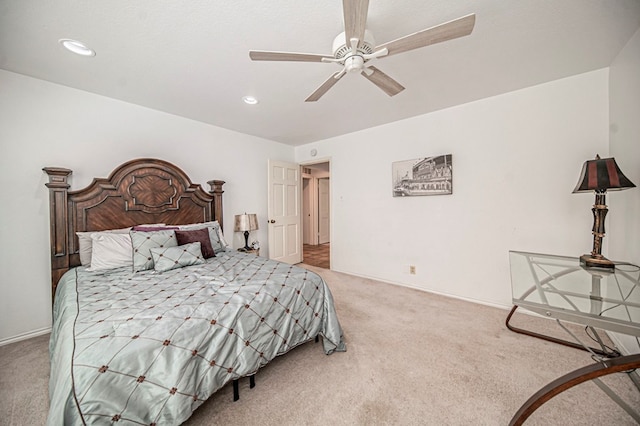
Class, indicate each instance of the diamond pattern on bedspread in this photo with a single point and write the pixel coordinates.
(168, 341)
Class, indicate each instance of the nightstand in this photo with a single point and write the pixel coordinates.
(250, 251)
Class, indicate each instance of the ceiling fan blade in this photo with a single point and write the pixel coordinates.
(383, 81)
(355, 18)
(261, 55)
(449, 30)
(324, 87)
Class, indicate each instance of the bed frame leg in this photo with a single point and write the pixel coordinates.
(236, 391)
(236, 388)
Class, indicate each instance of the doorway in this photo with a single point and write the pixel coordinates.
(316, 214)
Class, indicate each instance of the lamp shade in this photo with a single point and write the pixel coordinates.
(602, 174)
(245, 222)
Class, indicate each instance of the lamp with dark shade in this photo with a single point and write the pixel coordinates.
(246, 223)
(600, 175)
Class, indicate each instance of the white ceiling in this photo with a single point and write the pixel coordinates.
(190, 58)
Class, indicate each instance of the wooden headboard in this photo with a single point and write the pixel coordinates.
(140, 191)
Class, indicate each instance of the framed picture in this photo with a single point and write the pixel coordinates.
(423, 176)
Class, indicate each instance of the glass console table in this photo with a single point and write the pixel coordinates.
(559, 287)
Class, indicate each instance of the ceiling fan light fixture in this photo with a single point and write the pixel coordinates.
(77, 47)
(354, 63)
(249, 100)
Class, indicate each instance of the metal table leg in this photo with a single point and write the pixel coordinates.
(576, 377)
(549, 338)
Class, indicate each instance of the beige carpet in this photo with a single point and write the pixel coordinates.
(413, 358)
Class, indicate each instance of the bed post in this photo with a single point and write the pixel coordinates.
(216, 191)
(58, 190)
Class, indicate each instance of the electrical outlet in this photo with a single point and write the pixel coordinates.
(412, 269)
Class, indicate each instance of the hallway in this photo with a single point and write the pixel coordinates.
(316, 255)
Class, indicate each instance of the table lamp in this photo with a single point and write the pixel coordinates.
(246, 223)
(600, 175)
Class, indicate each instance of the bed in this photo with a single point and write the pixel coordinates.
(144, 333)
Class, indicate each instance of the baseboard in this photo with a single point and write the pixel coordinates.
(25, 336)
(466, 299)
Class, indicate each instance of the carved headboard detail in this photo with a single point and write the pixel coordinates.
(140, 191)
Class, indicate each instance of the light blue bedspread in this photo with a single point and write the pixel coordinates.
(149, 348)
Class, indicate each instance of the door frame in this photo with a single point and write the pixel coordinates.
(320, 216)
(312, 209)
(331, 203)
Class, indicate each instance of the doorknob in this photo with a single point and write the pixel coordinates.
(272, 221)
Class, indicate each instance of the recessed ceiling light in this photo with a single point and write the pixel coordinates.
(76, 47)
(250, 100)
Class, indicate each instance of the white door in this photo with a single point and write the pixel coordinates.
(324, 211)
(285, 240)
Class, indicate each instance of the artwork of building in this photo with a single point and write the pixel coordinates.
(428, 176)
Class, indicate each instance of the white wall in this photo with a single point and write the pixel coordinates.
(624, 207)
(623, 219)
(43, 124)
(516, 159)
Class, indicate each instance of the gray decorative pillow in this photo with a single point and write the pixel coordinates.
(143, 242)
(216, 243)
(165, 259)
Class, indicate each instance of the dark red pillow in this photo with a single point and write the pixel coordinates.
(191, 236)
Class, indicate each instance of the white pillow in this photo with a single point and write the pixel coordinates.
(110, 250)
(84, 241)
(85, 244)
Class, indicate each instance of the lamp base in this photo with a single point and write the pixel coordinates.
(246, 241)
(590, 261)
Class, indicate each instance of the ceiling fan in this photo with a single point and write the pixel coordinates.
(355, 48)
